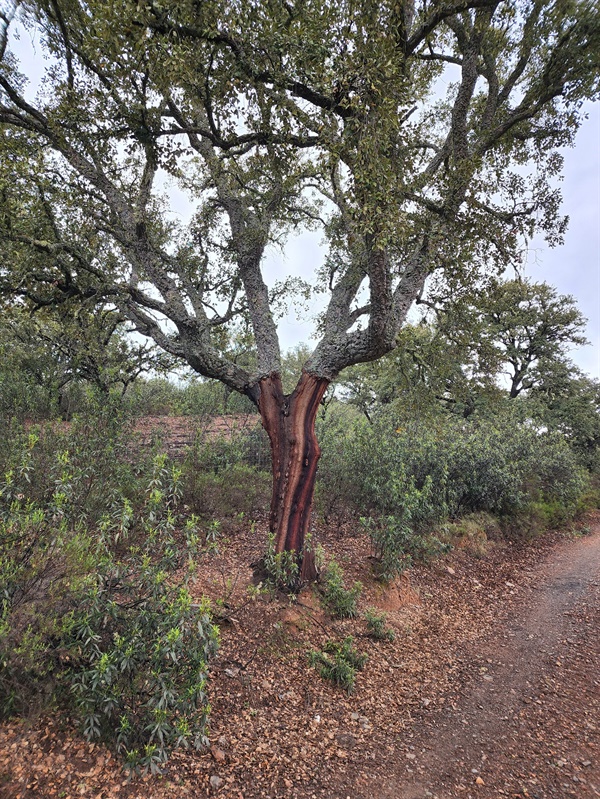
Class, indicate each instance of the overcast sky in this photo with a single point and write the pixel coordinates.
(574, 267)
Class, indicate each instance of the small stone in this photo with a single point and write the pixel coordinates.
(479, 781)
(586, 763)
(345, 739)
(355, 716)
(215, 782)
(410, 755)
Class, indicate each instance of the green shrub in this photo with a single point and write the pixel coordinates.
(473, 532)
(339, 600)
(422, 474)
(338, 662)
(90, 459)
(91, 613)
(239, 489)
(281, 568)
(337, 484)
(44, 571)
(396, 546)
(376, 626)
(139, 655)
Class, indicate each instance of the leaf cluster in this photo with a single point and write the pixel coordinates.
(339, 662)
(340, 601)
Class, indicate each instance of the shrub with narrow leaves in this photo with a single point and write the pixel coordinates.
(140, 650)
(91, 614)
(339, 662)
(377, 626)
(339, 600)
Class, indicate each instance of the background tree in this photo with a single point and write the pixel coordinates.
(58, 348)
(512, 335)
(566, 400)
(434, 367)
(531, 327)
(272, 116)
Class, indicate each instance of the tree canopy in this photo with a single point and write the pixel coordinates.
(403, 128)
(513, 336)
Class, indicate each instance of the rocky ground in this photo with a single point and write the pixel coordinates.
(490, 688)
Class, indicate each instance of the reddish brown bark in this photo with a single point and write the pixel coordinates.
(290, 423)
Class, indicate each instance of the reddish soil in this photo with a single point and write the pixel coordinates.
(177, 433)
(490, 689)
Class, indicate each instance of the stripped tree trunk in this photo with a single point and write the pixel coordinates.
(290, 423)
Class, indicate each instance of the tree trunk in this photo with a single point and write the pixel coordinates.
(290, 423)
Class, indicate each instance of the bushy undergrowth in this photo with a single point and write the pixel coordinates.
(339, 662)
(225, 477)
(88, 612)
(162, 397)
(377, 626)
(340, 601)
(397, 545)
(405, 481)
(281, 568)
(447, 467)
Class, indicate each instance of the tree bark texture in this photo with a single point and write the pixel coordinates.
(290, 423)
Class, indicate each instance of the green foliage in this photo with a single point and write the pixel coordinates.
(396, 545)
(88, 609)
(194, 397)
(339, 600)
(472, 532)
(339, 662)
(44, 570)
(436, 366)
(90, 461)
(62, 356)
(240, 489)
(376, 626)
(223, 476)
(219, 454)
(530, 327)
(139, 651)
(460, 361)
(410, 473)
(440, 187)
(568, 402)
(281, 568)
(409, 476)
(334, 482)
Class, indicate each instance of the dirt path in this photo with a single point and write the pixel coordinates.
(528, 720)
(490, 689)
